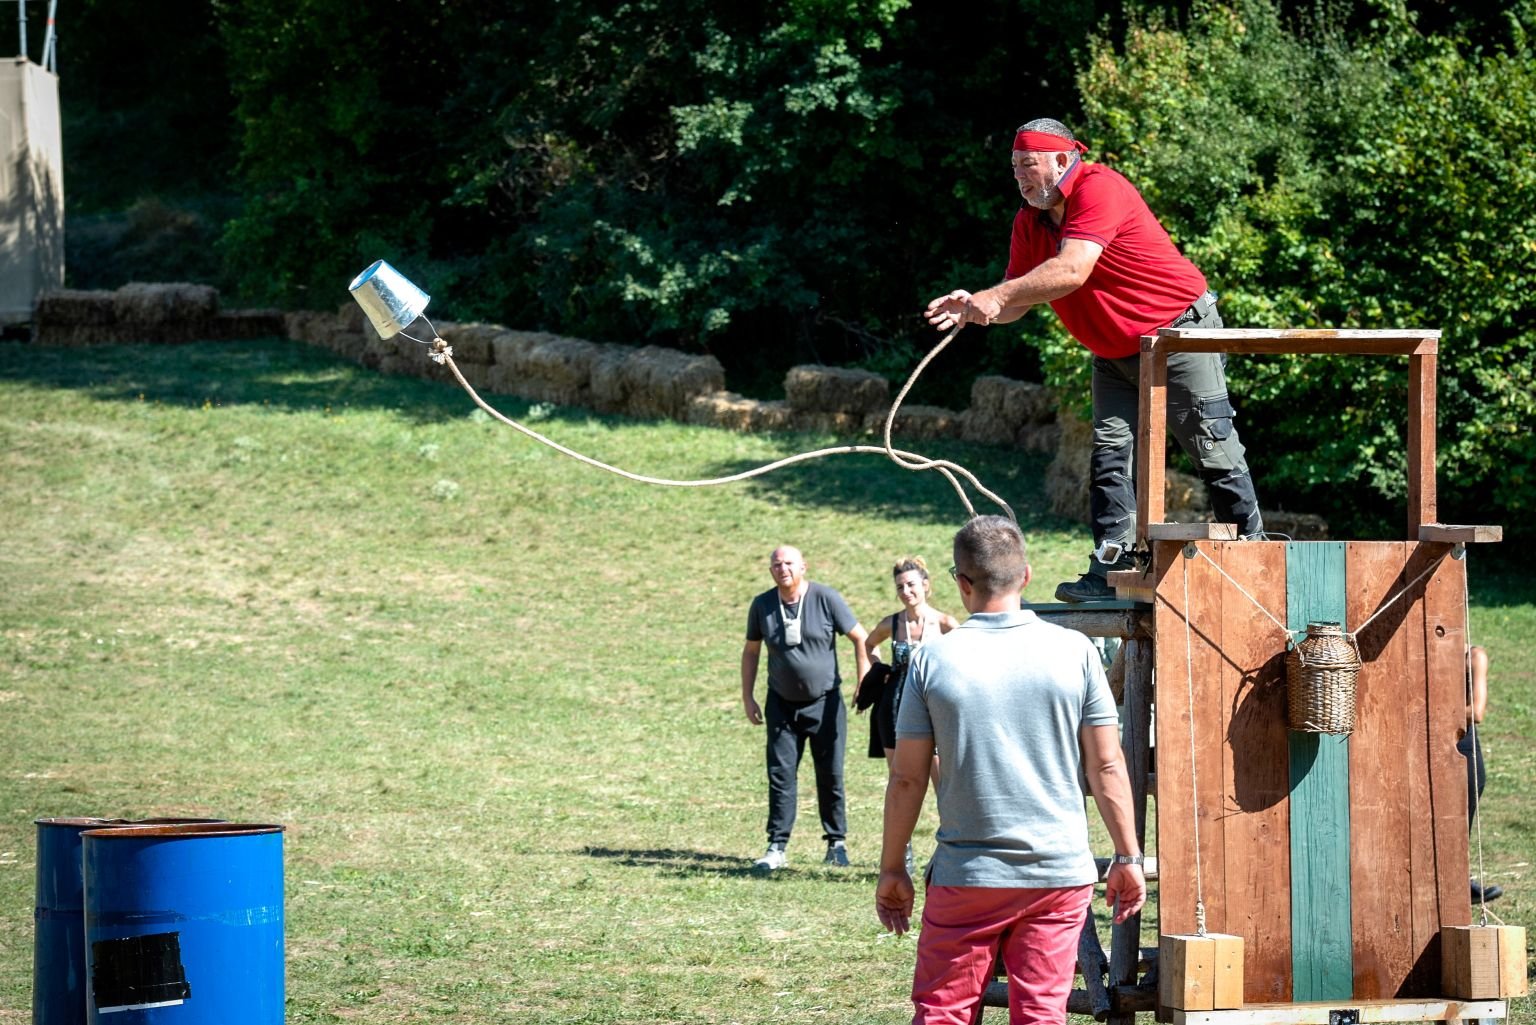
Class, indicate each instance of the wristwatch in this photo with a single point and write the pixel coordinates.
(1128, 859)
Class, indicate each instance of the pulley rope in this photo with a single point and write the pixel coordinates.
(442, 352)
(1292, 634)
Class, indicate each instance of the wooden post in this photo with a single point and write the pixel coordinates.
(1151, 435)
(1135, 740)
(1421, 441)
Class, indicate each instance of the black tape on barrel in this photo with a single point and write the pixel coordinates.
(138, 971)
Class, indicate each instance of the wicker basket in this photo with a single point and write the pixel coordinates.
(1320, 674)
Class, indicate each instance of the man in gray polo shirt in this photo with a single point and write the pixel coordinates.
(799, 621)
(1013, 705)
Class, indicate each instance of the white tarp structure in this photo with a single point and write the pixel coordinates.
(31, 187)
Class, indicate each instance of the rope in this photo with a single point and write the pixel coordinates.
(443, 353)
(1194, 788)
(1251, 599)
(1354, 634)
(1388, 604)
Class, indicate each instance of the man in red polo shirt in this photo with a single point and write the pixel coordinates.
(1086, 242)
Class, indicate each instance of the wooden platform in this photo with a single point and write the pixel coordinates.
(1349, 1013)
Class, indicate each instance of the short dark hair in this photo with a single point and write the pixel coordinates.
(990, 551)
(1049, 126)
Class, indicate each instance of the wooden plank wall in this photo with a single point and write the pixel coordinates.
(1239, 759)
(1407, 850)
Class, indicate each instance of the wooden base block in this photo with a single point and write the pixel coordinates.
(1132, 585)
(1200, 973)
(1483, 962)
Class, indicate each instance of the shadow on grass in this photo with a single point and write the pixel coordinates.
(674, 862)
(288, 376)
(275, 373)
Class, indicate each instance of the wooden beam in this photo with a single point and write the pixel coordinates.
(1133, 584)
(1128, 1000)
(1151, 435)
(1192, 531)
(1099, 619)
(1313, 341)
(1456, 533)
(1421, 442)
(1368, 1011)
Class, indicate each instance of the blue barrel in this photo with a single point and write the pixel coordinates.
(184, 924)
(58, 951)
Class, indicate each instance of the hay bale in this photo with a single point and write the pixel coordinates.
(1066, 479)
(985, 426)
(350, 315)
(74, 307)
(724, 409)
(509, 348)
(653, 381)
(476, 374)
(1296, 525)
(346, 342)
(153, 304)
(822, 422)
(305, 326)
(816, 389)
(71, 317)
(1025, 402)
(772, 415)
(1184, 498)
(471, 342)
(560, 364)
(610, 383)
(502, 379)
(1016, 403)
(1042, 438)
(988, 394)
(917, 423)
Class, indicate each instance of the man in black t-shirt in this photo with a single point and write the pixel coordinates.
(799, 621)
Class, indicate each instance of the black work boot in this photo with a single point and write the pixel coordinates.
(1093, 585)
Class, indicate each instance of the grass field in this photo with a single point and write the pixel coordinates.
(492, 694)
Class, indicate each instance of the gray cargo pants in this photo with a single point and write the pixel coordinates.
(1200, 415)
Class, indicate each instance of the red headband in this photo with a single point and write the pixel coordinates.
(1045, 142)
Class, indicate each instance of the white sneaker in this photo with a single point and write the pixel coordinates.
(772, 860)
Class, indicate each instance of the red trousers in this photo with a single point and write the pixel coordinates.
(963, 928)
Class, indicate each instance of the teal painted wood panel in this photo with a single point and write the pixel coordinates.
(1322, 960)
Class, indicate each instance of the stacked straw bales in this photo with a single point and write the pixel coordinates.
(818, 389)
(142, 312)
(1008, 412)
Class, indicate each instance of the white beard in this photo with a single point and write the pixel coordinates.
(1047, 196)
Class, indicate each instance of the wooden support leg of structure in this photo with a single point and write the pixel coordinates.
(1135, 741)
(1481, 962)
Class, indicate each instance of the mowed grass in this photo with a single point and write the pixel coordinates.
(492, 693)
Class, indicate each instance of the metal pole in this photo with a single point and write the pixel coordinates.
(21, 24)
(51, 40)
